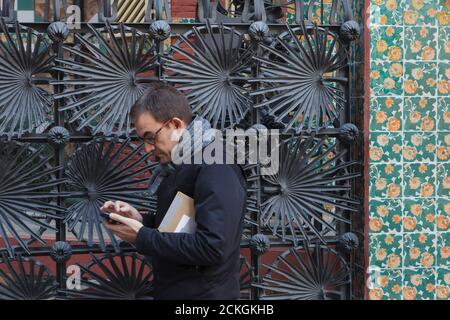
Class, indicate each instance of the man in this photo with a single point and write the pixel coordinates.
(202, 265)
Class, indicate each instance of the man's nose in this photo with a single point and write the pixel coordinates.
(148, 147)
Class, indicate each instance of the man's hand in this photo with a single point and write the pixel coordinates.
(122, 208)
(127, 229)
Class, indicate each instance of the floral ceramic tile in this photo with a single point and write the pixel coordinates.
(419, 146)
(443, 283)
(443, 78)
(386, 114)
(387, 43)
(419, 12)
(386, 78)
(386, 181)
(419, 215)
(443, 179)
(420, 78)
(386, 250)
(385, 284)
(419, 180)
(443, 214)
(443, 252)
(419, 284)
(419, 249)
(444, 43)
(386, 12)
(385, 216)
(443, 114)
(419, 113)
(422, 43)
(384, 146)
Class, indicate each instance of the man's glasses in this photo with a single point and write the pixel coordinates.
(151, 137)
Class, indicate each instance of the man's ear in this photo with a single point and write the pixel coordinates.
(178, 123)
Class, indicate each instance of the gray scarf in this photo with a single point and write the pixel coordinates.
(199, 139)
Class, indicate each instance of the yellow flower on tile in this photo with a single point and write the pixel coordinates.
(443, 152)
(376, 294)
(383, 140)
(430, 287)
(393, 124)
(430, 217)
(428, 53)
(409, 223)
(380, 117)
(383, 281)
(423, 168)
(414, 253)
(416, 279)
(427, 190)
(414, 183)
(422, 238)
(442, 222)
(389, 83)
(417, 73)
(409, 153)
(443, 86)
(443, 18)
(396, 219)
(417, 4)
(415, 46)
(393, 261)
(409, 293)
(382, 210)
(380, 183)
(427, 259)
(396, 148)
(416, 209)
(389, 102)
(410, 17)
(380, 254)
(396, 70)
(442, 292)
(445, 252)
(389, 239)
(423, 102)
(411, 86)
(391, 5)
(397, 288)
(427, 123)
(389, 168)
(416, 139)
(431, 12)
(393, 190)
(395, 53)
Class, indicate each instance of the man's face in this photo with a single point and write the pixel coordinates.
(146, 125)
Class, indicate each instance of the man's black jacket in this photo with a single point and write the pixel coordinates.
(203, 265)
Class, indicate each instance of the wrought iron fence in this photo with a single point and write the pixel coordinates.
(66, 144)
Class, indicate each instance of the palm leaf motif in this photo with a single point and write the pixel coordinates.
(115, 277)
(306, 273)
(102, 170)
(27, 186)
(212, 69)
(300, 87)
(24, 61)
(106, 75)
(25, 279)
(311, 176)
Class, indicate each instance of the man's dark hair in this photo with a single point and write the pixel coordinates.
(163, 102)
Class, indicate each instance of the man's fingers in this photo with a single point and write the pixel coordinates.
(107, 206)
(119, 218)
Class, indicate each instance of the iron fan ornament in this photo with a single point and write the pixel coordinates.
(105, 75)
(211, 65)
(301, 85)
(306, 273)
(27, 187)
(115, 277)
(25, 62)
(25, 279)
(102, 170)
(312, 176)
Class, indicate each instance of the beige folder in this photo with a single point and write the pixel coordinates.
(180, 217)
